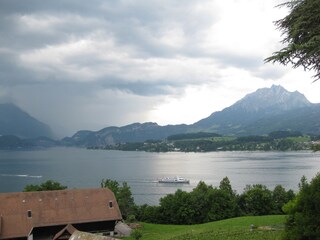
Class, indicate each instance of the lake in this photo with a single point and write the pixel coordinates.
(82, 168)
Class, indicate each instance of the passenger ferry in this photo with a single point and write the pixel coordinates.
(174, 180)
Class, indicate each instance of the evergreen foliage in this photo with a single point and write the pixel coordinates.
(301, 30)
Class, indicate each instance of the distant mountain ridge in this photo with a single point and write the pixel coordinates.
(14, 121)
(258, 113)
(261, 104)
(136, 132)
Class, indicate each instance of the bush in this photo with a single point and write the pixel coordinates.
(131, 218)
(136, 234)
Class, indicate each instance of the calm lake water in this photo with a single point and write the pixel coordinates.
(81, 168)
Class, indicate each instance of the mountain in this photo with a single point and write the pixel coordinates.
(305, 120)
(14, 121)
(136, 132)
(258, 113)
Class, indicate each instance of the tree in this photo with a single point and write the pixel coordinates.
(301, 30)
(200, 201)
(123, 195)
(303, 212)
(221, 205)
(256, 200)
(231, 207)
(315, 147)
(125, 200)
(280, 197)
(177, 208)
(46, 186)
(225, 185)
(111, 184)
(146, 213)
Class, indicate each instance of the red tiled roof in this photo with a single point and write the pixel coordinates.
(50, 208)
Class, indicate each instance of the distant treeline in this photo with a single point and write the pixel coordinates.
(206, 142)
(272, 135)
(187, 142)
(10, 142)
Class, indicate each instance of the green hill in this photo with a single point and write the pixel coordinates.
(265, 227)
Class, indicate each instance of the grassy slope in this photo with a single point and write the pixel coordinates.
(235, 228)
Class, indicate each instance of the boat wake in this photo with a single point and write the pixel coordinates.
(20, 175)
(141, 181)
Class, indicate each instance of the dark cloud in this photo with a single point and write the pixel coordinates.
(28, 27)
(36, 6)
(142, 88)
(67, 61)
(68, 108)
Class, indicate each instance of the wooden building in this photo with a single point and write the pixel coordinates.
(42, 215)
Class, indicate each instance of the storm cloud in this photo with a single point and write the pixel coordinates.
(78, 64)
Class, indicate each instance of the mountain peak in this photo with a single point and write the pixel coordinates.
(275, 98)
(264, 103)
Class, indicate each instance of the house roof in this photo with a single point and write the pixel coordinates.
(22, 211)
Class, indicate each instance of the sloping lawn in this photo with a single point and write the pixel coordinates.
(266, 227)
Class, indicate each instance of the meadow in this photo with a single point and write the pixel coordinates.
(265, 227)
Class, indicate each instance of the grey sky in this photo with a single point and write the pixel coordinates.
(78, 64)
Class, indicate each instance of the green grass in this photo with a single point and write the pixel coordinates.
(300, 139)
(235, 229)
(225, 139)
(212, 139)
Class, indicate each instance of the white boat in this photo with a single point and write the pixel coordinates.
(174, 180)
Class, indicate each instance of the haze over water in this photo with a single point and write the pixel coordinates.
(81, 168)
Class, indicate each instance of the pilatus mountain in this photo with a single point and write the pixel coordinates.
(258, 113)
(266, 110)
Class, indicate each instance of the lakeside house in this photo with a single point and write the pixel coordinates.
(57, 214)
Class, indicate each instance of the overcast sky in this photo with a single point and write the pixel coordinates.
(79, 64)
